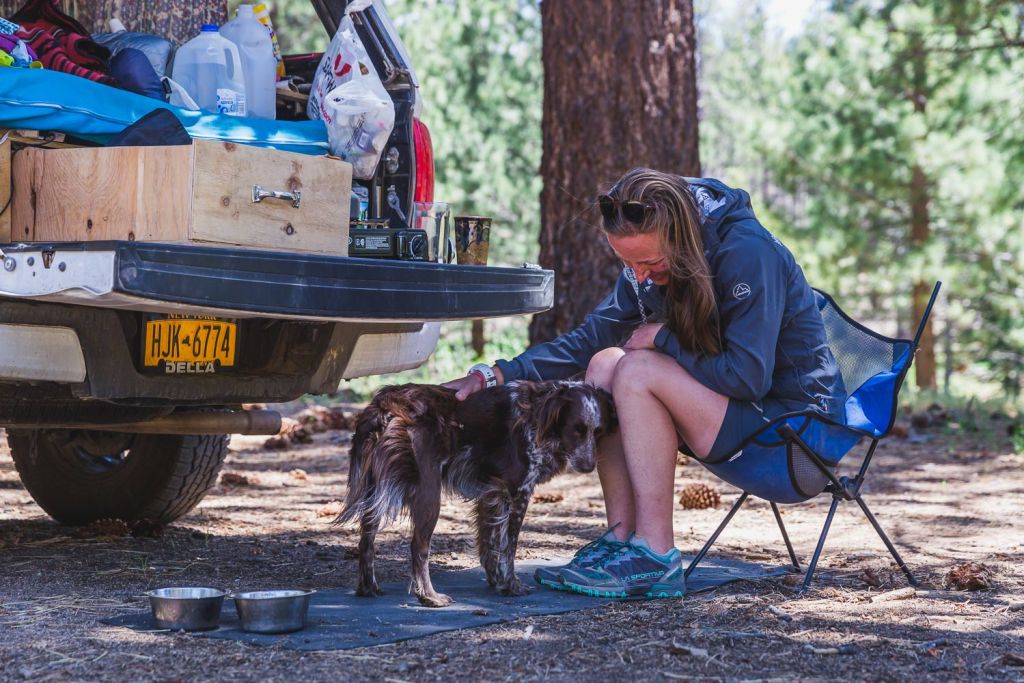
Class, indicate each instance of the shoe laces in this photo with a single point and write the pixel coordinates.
(598, 546)
(619, 555)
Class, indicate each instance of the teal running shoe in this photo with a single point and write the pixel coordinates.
(591, 553)
(634, 570)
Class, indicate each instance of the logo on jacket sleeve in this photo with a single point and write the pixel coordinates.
(741, 291)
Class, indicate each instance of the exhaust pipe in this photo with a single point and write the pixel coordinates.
(216, 422)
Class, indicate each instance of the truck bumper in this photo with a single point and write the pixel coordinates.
(240, 283)
(306, 322)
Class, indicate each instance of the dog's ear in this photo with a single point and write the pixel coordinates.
(551, 414)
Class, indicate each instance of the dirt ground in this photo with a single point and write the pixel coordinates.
(947, 498)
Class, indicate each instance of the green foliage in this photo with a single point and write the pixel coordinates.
(1017, 438)
(827, 131)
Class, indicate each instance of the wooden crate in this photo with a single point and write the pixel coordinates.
(5, 187)
(201, 193)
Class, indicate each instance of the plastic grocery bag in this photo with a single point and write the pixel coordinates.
(348, 95)
(359, 122)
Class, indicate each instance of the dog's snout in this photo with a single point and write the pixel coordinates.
(584, 459)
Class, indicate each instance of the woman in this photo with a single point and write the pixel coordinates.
(710, 332)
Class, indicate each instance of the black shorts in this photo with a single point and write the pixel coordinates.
(742, 418)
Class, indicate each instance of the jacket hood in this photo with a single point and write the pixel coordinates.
(720, 206)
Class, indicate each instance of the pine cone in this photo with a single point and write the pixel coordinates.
(699, 497)
(335, 418)
(104, 528)
(147, 528)
(972, 576)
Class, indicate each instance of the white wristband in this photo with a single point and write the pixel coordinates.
(486, 374)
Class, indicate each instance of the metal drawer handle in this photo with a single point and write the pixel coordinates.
(259, 194)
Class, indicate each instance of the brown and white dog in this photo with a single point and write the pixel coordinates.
(415, 441)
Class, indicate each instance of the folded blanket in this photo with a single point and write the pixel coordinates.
(62, 43)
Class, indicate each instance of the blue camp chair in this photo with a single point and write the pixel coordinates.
(794, 458)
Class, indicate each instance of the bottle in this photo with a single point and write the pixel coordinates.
(258, 63)
(209, 68)
(263, 14)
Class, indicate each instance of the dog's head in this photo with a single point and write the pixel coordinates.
(570, 418)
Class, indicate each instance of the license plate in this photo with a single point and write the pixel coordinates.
(189, 345)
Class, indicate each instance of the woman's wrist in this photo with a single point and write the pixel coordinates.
(486, 374)
(498, 374)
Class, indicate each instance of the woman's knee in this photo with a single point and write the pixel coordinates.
(601, 368)
(638, 369)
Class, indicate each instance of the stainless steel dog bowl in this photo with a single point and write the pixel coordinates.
(272, 611)
(191, 609)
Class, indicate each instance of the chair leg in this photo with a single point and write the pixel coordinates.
(785, 537)
(714, 537)
(885, 539)
(821, 543)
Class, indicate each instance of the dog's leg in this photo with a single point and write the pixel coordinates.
(367, 581)
(499, 519)
(424, 507)
(424, 519)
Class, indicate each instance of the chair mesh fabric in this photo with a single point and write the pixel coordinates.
(860, 355)
(808, 478)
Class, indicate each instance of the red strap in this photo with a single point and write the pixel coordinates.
(483, 379)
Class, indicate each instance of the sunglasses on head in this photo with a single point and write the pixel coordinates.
(632, 212)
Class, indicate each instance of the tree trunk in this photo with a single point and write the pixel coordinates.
(920, 230)
(620, 90)
(479, 341)
(924, 363)
(177, 20)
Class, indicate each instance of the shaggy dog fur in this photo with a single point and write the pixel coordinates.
(414, 442)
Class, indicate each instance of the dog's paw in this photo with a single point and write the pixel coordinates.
(516, 588)
(369, 590)
(435, 600)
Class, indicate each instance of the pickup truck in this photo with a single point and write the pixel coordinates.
(95, 432)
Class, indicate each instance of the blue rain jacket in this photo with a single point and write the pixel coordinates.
(776, 353)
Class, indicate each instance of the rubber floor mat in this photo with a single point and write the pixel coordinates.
(339, 620)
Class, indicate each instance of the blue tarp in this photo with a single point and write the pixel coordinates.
(38, 99)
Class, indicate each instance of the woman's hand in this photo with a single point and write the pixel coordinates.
(643, 337)
(470, 384)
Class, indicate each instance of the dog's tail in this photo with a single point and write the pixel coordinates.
(382, 466)
(361, 482)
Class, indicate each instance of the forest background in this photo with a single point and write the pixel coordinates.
(825, 124)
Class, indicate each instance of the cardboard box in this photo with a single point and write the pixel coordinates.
(201, 193)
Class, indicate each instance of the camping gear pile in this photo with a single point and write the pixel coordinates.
(235, 70)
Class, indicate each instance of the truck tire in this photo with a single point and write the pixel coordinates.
(79, 476)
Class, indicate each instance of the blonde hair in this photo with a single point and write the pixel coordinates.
(671, 212)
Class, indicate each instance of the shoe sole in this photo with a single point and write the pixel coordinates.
(594, 592)
(550, 584)
(621, 594)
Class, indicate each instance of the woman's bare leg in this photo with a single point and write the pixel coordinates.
(657, 400)
(611, 462)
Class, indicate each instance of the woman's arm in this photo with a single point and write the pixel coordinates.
(570, 353)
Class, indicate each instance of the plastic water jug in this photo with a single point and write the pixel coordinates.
(209, 68)
(258, 61)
